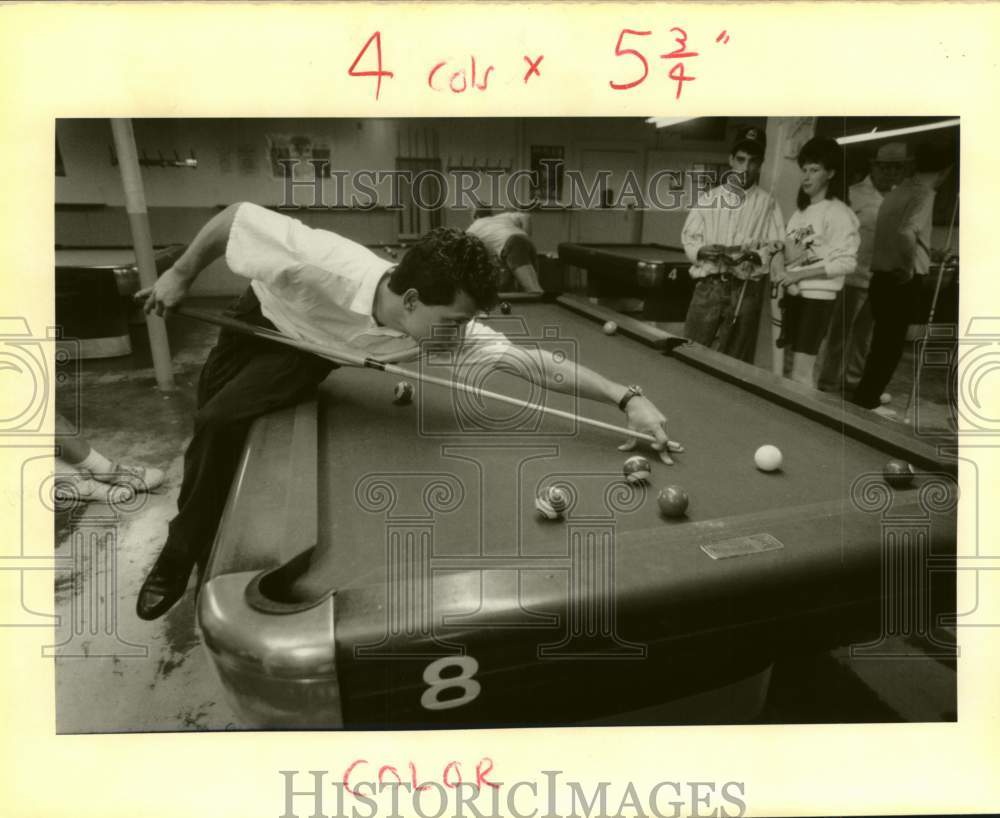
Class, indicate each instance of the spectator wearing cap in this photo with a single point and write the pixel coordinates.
(842, 359)
(900, 260)
(821, 249)
(725, 308)
(507, 236)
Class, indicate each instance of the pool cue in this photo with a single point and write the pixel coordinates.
(346, 358)
(930, 318)
(944, 258)
(739, 301)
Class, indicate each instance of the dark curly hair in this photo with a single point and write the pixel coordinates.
(444, 262)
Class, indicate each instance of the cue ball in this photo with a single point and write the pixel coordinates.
(673, 501)
(403, 393)
(637, 469)
(768, 458)
(610, 328)
(885, 398)
(505, 307)
(552, 502)
(898, 473)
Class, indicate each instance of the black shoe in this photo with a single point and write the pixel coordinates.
(164, 586)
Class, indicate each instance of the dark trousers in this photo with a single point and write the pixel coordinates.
(847, 342)
(710, 317)
(893, 303)
(243, 378)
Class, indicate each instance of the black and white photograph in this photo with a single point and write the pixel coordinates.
(410, 431)
(450, 409)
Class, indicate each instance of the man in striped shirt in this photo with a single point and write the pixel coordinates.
(725, 309)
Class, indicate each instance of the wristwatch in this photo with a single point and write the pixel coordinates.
(633, 391)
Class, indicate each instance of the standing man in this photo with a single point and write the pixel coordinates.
(900, 260)
(726, 305)
(849, 338)
(506, 236)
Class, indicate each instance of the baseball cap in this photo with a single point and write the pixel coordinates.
(893, 152)
(750, 138)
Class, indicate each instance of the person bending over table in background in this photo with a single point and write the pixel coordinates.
(506, 236)
(821, 247)
(900, 261)
(752, 223)
(843, 354)
(317, 286)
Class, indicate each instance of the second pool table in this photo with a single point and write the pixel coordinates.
(94, 287)
(656, 273)
(383, 566)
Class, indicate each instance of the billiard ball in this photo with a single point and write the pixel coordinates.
(636, 469)
(403, 393)
(885, 398)
(768, 458)
(505, 307)
(610, 328)
(898, 473)
(673, 501)
(552, 501)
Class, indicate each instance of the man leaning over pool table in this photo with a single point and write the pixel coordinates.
(317, 286)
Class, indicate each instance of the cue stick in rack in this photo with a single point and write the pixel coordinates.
(351, 359)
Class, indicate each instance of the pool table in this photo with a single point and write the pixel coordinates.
(93, 286)
(384, 566)
(656, 273)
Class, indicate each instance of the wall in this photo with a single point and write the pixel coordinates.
(234, 165)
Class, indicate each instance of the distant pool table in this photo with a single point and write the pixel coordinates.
(384, 566)
(656, 273)
(93, 286)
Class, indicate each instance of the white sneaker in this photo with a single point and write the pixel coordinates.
(137, 478)
(71, 490)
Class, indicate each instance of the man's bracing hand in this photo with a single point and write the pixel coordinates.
(167, 293)
(643, 416)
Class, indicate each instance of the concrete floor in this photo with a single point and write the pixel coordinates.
(115, 672)
(157, 674)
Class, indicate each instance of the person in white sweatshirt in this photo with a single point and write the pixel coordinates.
(821, 248)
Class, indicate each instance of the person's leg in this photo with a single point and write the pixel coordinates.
(791, 319)
(876, 306)
(856, 352)
(741, 340)
(81, 470)
(243, 378)
(830, 364)
(704, 312)
(70, 447)
(725, 327)
(885, 301)
(892, 306)
(802, 368)
(72, 487)
(270, 380)
(813, 324)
